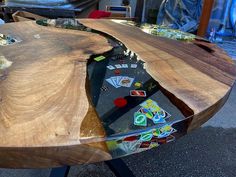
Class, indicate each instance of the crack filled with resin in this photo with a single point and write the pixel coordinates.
(123, 136)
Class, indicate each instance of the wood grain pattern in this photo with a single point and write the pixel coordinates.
(44, 100)
(46, 116)
(197, 73)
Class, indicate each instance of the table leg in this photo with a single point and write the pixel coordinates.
(205, 17)
(119, 168)
(139, 10)
(144, 11)
(60, 172)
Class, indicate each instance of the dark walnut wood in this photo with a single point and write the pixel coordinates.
(197, 73)
(46, 117)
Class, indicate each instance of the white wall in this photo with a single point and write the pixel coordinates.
(103, 3)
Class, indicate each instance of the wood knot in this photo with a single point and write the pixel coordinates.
(4, 63)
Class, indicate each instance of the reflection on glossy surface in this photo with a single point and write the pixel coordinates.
(132, 107)
(121, 120)
(141, 142)
(162, 31)
(145, 122)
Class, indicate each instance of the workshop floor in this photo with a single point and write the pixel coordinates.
(208, 151)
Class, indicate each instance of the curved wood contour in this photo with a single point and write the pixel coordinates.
(44, 107)
(197, 73)
(46, 117)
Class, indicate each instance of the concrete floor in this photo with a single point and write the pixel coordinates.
(206, 152)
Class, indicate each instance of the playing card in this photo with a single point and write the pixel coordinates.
(130, 147)
(110, 67)
(138, 93)
(118, 78)
(145, 145)
(163, 114)
(126, 82)
(110, 81)
(118, 66)
(155, 139)
(146, 136)
(164, 134)
(170, 138)
(162, 140)
(155, 109)
(150, 104)
(125, 66)
(156, 132)
(135, 145)
(134, 66)
(166, 131)
(140, 119)
(158, 119)
(146, 112)
(124, 146)
(153, 145)
(114, 80)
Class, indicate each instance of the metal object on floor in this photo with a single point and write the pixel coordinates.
(117, 166)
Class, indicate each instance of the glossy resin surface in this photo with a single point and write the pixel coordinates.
(83, 91)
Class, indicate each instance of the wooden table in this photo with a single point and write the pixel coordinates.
(56, 107)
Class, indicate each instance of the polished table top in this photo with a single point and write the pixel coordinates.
(101, 90)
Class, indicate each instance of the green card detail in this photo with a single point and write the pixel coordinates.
(100, 58)
(146, 136)
(140, 119)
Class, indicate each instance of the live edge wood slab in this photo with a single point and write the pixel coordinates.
(46, 115)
